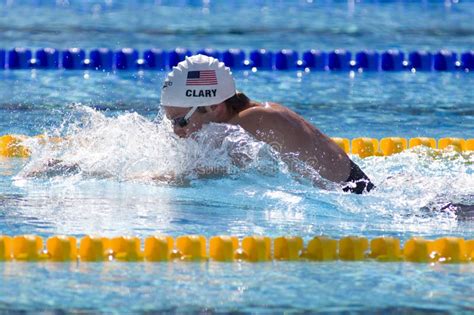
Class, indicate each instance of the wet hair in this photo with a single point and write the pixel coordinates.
(235, 104)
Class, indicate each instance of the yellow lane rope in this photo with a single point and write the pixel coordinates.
(231, 249)
(13, 146)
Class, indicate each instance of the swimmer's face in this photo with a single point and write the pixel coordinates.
(194, 123)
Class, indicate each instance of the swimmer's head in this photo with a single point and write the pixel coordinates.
(197, 81)
(194, 84)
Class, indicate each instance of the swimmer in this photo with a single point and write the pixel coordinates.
(201, 90)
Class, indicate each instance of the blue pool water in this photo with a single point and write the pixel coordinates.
(295, 24)
(116, 135)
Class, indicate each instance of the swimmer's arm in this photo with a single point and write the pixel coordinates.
(54, 167)
(172, 178)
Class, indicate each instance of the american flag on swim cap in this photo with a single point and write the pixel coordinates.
(201, 77)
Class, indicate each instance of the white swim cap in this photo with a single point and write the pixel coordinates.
(197, 81)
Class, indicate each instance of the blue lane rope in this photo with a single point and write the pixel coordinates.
(316, 60)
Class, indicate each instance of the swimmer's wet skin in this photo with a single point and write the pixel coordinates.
(204, 85)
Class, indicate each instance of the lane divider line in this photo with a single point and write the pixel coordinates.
(104, 59)
(12, 145)
(63, 248)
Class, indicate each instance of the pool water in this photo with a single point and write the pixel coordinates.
(326, 24)
(117, 136)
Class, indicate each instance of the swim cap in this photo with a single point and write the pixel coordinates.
(197, 81)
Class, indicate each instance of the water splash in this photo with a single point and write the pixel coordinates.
(420, 183)
(130, 147)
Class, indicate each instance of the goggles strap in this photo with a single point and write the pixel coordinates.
(190, 113)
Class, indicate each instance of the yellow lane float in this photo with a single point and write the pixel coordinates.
(230, 249)
(12, 145)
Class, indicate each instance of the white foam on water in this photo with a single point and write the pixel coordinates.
(415, 186)
(130, 147)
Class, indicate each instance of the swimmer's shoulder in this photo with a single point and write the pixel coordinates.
(258, 111)
(260, 115)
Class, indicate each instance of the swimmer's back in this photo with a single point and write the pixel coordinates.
(290, 133)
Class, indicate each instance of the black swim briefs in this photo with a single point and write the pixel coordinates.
(357, 182)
